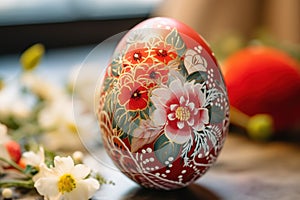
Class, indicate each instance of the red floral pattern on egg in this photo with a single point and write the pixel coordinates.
(164, 108)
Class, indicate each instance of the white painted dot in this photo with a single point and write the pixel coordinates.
(167, 162)
(147, 160)
(143, 151)
(147, 168)
(157, 174)
(149, 150)
(156, 167)
(180, 176)
(144, 162)
(170, 159)
(170, 165)
(183, 171)
(151, 159)
(152, 168)
(168, 171)
(163, 175)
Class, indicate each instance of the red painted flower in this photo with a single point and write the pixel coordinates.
(134, 96)
(133, 90)
(153, 74)
(136, 53)
(163, 52)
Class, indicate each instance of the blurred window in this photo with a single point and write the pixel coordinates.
(16, 12)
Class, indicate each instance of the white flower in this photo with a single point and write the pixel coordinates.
(12, 104)
(57, 113)
(66, 181)
(3, 139)
(41, 87)
(34, 159)
(194, 62)
(179, 109)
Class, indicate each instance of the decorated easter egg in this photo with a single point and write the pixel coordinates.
(163, 109)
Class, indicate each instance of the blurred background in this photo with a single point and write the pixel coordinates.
(61, 23)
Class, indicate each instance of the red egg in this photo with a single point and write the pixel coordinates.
(265, 80)
(163, 108)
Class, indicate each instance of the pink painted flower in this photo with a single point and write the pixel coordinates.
(144, 134)
(179, 109)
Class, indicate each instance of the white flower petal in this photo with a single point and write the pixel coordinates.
(158, 117)
(180, 124)
(34, 159)
(63, 164)
(196, 111)
(181, 100)
(178, 136)
(44, 171)
(173, 107)
(47, 187)
(171, 116)
(205, 115)
(191, 122)
(191, 105)
(85, 189)
(161, 96)
(177, 88)
(80, 171)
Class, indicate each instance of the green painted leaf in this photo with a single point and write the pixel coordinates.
(199, 77)
(164, 149)
(134, 124)
(216, 114)
(116, 67)
(108, 82)
(182, 69)
(174, 39)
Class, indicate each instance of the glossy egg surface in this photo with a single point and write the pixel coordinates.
(163, 109)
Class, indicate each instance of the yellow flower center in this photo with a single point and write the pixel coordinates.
(182, 113)
(66, 183)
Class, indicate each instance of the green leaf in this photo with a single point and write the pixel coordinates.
(108, 82)
(31, 170)
(32, 56)
(182, 69)
(174, 39)
(216, 114)
(164, 149)
(116, 67)
(134, 124)
(199, 77)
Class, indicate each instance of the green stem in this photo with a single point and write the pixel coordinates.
(17, 183)
(15, 166)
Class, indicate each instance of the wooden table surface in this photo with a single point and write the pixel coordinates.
(244, 170)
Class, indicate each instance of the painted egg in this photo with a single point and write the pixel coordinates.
(163, 110)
